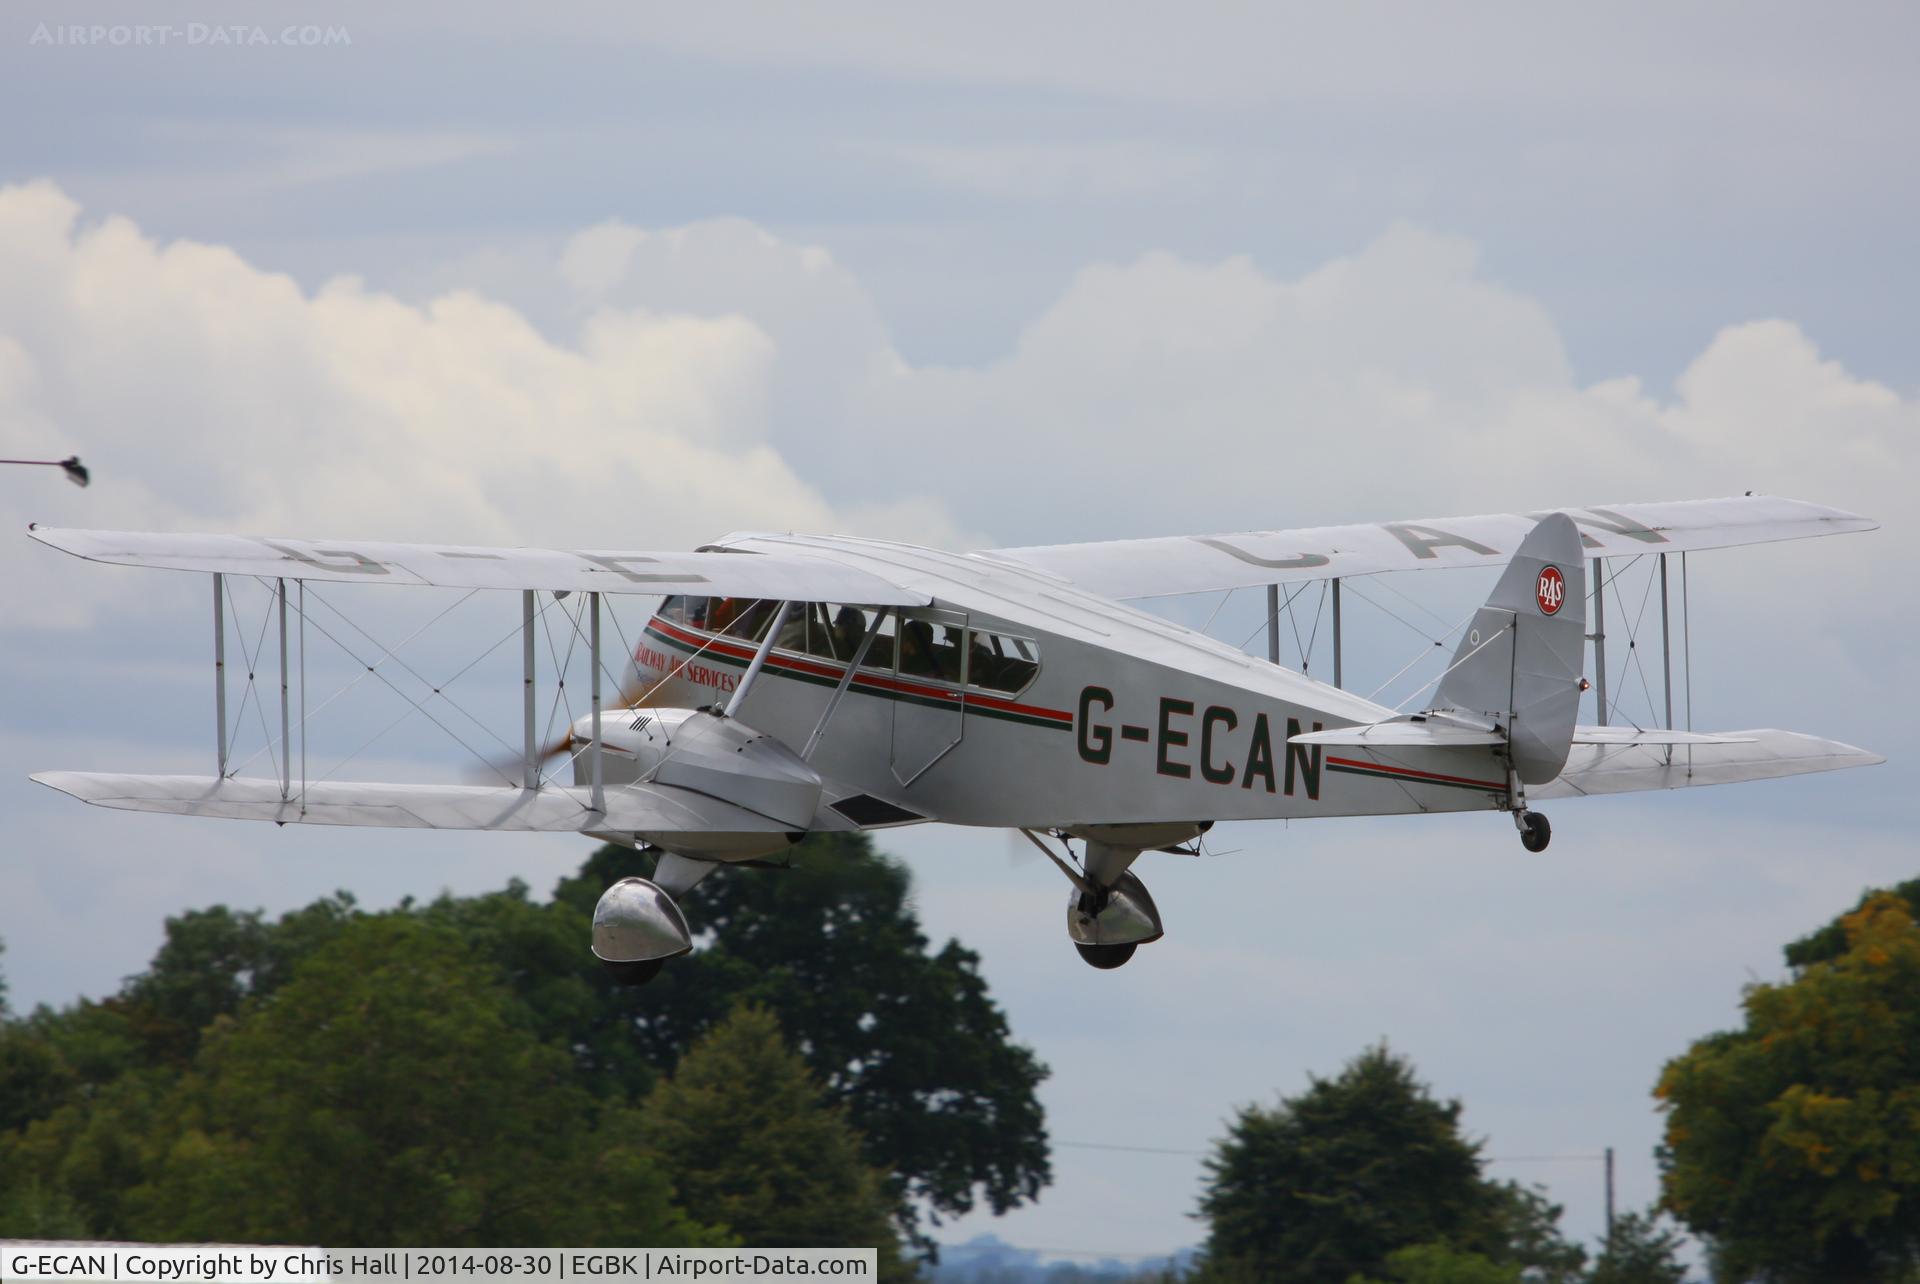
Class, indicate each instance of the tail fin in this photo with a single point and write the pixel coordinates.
(1519, 665)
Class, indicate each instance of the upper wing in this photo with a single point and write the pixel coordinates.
(1201, 563)
(781, 576)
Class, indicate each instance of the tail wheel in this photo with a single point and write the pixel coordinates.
(1537, 834)
(1105, 957)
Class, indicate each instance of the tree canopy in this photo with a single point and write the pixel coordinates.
(387, 1094)
(1333, 1182)
(742, 1121)
(1793, 1144)
(905, 1038)
(1642, 1249)
(154, 1112)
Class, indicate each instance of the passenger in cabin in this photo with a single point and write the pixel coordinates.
(983, 666)
(793, 634)
(750, 619)
(849, 626)
(916, 649)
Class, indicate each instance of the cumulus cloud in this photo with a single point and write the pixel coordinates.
(716, 376)
(212, 394)
(1163, 395)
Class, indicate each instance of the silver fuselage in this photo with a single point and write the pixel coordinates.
(1129, 718)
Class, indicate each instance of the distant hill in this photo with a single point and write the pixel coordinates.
(988, 1259)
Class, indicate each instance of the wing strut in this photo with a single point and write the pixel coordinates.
(1599, 636)
(220, 667)
(286, 746)
(1661, 710)
(1275, 607)
(846, 680)
(1336, 632)
(759, 660)
(530, 770)
(599, 781)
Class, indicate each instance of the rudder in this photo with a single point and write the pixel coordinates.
(1519, 666)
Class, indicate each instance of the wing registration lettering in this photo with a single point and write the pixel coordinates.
(348, 561)
(1303, 562)
(1422, 540)
(1620, 524)
(621, 565)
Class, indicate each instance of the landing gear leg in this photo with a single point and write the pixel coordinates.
(1110, 912)
(1535, 832)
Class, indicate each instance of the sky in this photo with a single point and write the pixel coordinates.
(637, 275)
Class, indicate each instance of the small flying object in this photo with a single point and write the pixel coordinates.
(790, 684)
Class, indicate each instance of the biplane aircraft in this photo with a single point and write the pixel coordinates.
(791, 684)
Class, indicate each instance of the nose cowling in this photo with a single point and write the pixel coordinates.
(708, 754)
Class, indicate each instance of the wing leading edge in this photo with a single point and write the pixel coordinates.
(1159, 567)
(774, 576)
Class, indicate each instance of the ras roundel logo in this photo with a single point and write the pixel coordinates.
(1550, 590)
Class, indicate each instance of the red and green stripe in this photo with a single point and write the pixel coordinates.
(828, 673)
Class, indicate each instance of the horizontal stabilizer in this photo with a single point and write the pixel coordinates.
(1615, 768)
(645, 809)
(1402, 733)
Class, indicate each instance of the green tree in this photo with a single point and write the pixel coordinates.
(33, 1078)
(383, 1095)
(32, 1209)
(743, 1123)
(1825, 944)
(213, 960)
(1793, 1144)
(1639, 1251)
(539, 951)
(94, 1153)
(1524, 1231)
(906, 1039)
(1331, 1182)
(1442, 1264)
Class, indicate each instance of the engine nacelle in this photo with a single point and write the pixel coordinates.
(706, 754)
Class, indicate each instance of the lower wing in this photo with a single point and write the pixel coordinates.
(1625, 765)
(651, 809)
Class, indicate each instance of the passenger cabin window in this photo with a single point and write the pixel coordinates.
(929, 649)
(735, 616)
(917, 648)
(880, 654)
(689, 611)
(999, 662)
